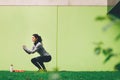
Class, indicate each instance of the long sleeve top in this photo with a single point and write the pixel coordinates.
(37, 48)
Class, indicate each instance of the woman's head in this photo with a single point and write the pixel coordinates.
(36, 38)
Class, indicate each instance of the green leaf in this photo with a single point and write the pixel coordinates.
(98, 43)
(117, 37)
(107, 51)
(97, 50)
(117, 66)
(100, 18)
(108, 58)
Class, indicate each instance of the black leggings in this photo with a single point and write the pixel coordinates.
(38, 61)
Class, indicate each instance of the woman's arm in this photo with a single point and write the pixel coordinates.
(31, 51)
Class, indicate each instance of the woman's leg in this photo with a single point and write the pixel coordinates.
(43, 59)
(36, 63)
(42, 65)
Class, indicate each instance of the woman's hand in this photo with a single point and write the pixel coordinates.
(24, 46)
(25, 49)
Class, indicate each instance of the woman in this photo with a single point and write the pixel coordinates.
(38, 47)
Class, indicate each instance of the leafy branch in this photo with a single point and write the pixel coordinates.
(107, 52)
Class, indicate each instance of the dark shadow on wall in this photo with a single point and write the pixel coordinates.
(113, 8)
(111, 4)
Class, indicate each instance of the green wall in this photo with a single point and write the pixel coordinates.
(77, 30)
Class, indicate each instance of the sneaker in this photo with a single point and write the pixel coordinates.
(45, 70)
(40, 70)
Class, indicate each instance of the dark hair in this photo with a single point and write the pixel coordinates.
(39, 39)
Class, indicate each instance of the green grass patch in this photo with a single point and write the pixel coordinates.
(61, 75)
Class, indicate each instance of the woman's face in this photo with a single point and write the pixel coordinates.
(34, 39)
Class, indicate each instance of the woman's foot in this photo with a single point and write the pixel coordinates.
(40, 70)
(45, 70)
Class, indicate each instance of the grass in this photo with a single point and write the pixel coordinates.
(61, 75)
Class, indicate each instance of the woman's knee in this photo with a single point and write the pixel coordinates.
(33, 60)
